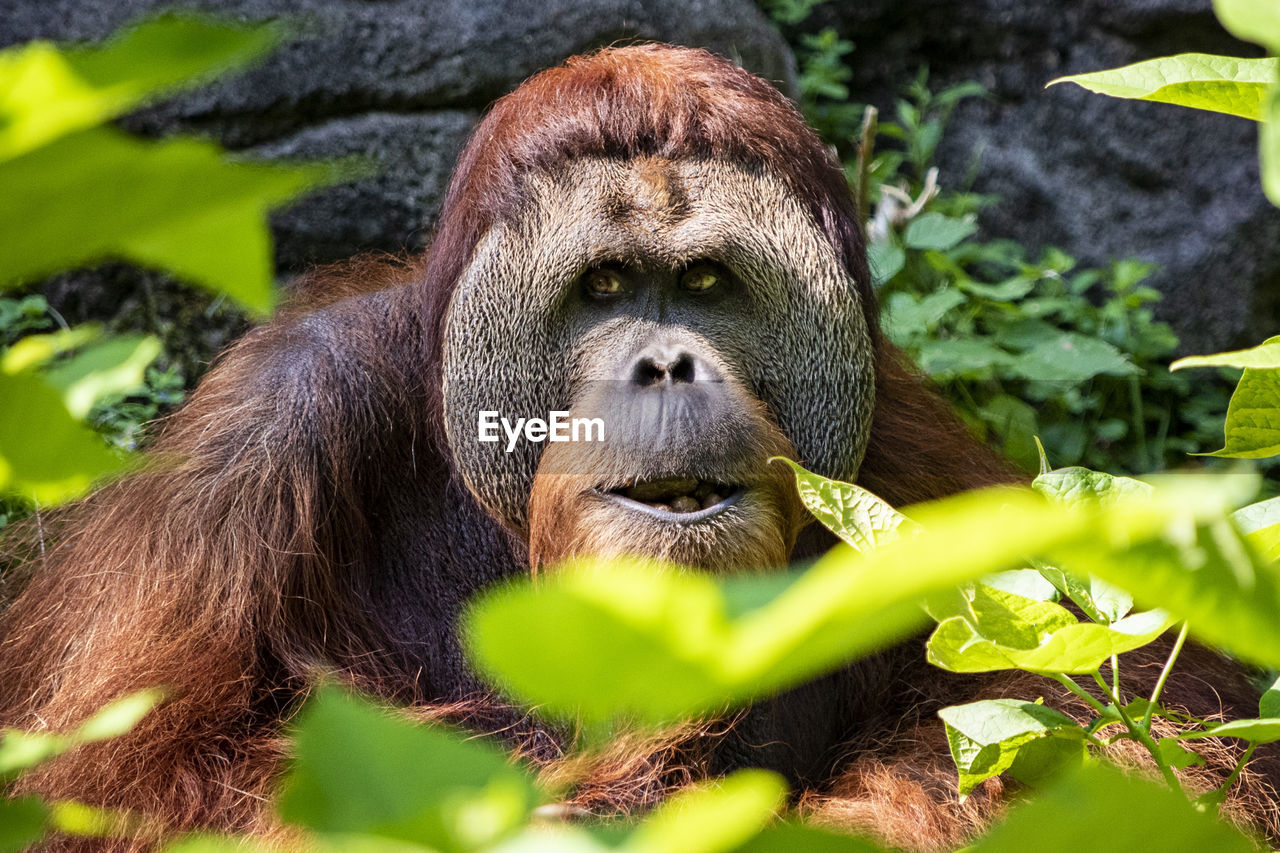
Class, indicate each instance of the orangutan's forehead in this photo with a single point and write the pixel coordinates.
(667, 211)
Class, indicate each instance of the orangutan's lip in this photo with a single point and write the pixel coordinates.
(671, 516)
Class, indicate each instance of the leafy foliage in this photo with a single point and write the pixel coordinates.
(177, 203)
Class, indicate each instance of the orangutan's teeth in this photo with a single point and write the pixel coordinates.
(685, 503)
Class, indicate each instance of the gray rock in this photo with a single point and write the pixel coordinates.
(1100, 177)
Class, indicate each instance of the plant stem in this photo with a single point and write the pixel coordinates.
(1164, 675)
(1070, 683)
(866, 148)
(1221, 792)
(1141, 734)
(1115, 675)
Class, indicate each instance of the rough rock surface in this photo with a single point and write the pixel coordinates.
(1101, 177)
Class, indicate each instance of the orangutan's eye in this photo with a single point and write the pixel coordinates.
(700, 278)
(602, 282)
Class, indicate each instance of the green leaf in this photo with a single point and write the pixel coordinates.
(1071, 358)
(20, 751)
(1172, 754)
(118, 717)
(1224, 84)
(358, 769)
(1077, 486)
(985, 737)
(44, 452)
(22, 823)
(961, 357)
(1257, 21)
(1260, 523)
(1255, 731)
(1027, 583)
(906, 316)
(851, 512)
(178, 204)
(937, 231)
(1208, 575)
(1101, 601)
(1264, 356)
(1269, 703)
(886, 260)
(1009, 290)
(115, 366)
(46, 93)
(37, 350)
(1253, 417)
(712, 818)
(595, 639)
(1011, 632)
(1101, 809)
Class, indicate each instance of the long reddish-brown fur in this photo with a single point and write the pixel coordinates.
(233, 566)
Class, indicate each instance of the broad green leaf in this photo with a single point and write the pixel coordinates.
(1172, 754)
(594, 639)
(886, 260)
(712, 818)
(359, 769)
(937, 231)
(851, 512)
(1264, 356)
(118, 717)
(22, 823)
(624, 628)
(905, 316)
(1078, 486)
(44, 452)
(46, 92)
(1014, 421)
(1208, 575)
(178, 204)
(1251, 20)
(1223, 84)
(115, 366)
(1005, 291)
(961, 357)
(1260, 524)
(1101, 601)
(20, 751)
(1255, 731)
(1102, 810)
(985, 737)
(1253, 416)
(1071, 358)
(958, 645)
(1027, 583)
(37, 350)
(1269, 703)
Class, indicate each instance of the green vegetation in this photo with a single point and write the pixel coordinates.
(611, 646)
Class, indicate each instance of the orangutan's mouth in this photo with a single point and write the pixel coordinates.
(682, 499)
